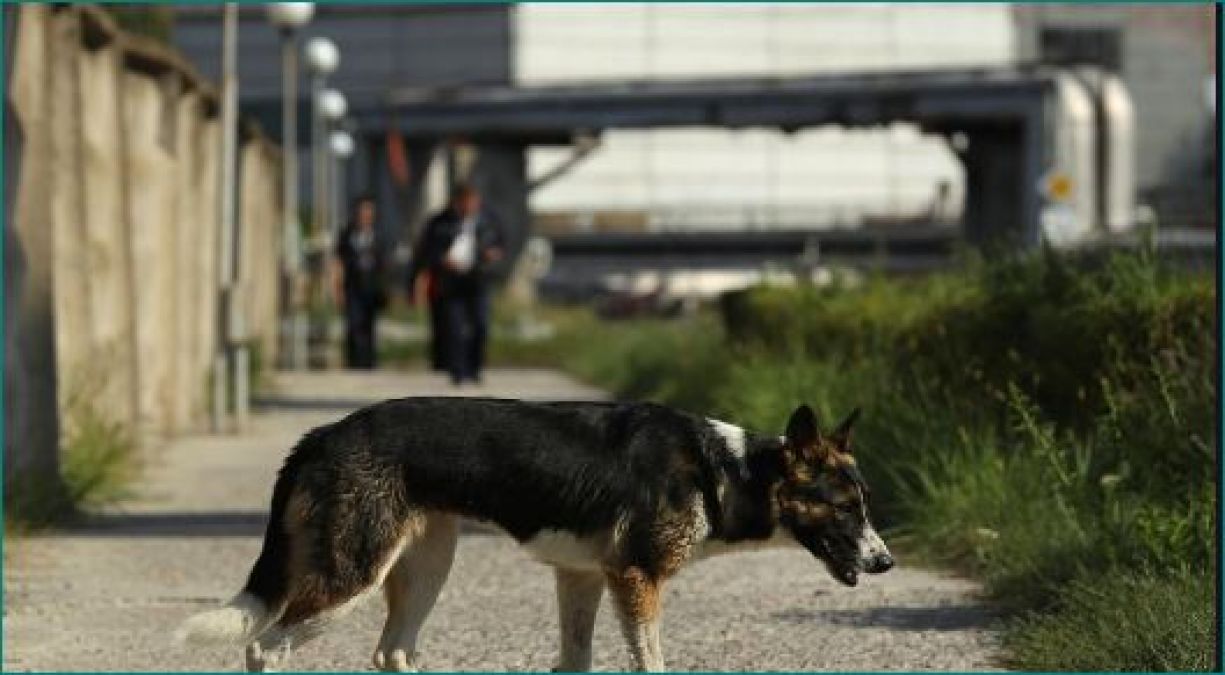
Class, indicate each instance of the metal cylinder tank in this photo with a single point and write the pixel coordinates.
(1069, 188)
(1117, 154)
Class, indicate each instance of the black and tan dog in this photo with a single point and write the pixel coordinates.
(611, 495)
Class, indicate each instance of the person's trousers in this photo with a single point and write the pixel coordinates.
(360, 314)
(438, 335)
(467, 327)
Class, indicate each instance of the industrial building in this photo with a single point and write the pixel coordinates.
(827, 176)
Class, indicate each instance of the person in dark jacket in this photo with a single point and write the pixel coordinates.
(458, 249)
(358, 283)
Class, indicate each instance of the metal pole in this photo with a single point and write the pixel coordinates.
(226, 211)
(240, 359)
(294, 322)
(338, 192)
(318, 328)
(325, 194)
(319, 148)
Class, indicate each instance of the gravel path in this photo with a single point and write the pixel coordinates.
(106, 595)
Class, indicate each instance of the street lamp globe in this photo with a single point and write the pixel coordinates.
(322, 55)
(332, 105)
(342, 144)
(290, 16)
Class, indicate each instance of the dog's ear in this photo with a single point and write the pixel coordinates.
(842, 435)
(802, 431)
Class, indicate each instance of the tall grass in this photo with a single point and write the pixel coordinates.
(1044, 423)
(1123, 622)
(98, 459)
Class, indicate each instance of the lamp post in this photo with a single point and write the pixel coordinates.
(289, 18)
(341, 145)
(322, 58)
(230, 361)
(332, 107)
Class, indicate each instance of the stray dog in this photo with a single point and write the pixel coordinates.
(611, 495)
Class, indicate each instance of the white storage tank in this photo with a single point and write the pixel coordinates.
(1118, 156)
(1069, 185)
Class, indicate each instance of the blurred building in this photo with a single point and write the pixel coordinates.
(1166, 54)
(718, 179)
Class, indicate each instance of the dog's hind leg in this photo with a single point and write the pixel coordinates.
(412, 587)
(637, 597)
(332, 565)
(578, 600)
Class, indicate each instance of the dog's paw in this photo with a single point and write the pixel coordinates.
(260, 661)
(396, 661)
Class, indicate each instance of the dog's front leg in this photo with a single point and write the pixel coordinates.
(270, 654)
(578, 600)
(637, 597)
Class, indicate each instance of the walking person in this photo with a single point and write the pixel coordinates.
(358, 283)
(458, 250)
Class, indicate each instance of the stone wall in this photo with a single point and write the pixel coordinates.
(111, 280)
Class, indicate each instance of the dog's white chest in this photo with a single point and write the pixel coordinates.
(557, 547)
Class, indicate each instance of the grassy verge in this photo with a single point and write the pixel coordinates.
(98, 456)
(98, 460)
(1123, 622)
(1044, 424)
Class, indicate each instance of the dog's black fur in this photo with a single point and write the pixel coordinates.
(572, 466)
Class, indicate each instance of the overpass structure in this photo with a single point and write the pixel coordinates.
(702, 264)
(1048, 153)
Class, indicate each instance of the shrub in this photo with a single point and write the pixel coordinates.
(1123, 622)
(98, 456)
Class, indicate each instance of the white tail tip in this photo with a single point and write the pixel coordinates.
(240, 621)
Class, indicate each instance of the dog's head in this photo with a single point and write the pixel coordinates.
(822, 499)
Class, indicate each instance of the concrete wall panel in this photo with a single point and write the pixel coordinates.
(74, 353)
(189, 381)
(151, 214)
(260, 248)
(31, 429)
(110, 283)
(204, 270)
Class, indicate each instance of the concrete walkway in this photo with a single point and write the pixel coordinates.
(106, 595)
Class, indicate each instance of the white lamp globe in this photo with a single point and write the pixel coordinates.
(341, 143)
(290, 15)
(332, 105)
(322, 55)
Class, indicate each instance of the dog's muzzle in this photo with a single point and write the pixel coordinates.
(874, 557)
(881, 562)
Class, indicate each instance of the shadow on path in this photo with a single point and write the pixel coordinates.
(946, 617)
(171, 524)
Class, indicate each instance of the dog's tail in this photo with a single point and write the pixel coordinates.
(240, 621)
(264, 597)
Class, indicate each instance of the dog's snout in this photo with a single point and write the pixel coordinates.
(879, 563)
(873, 555)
